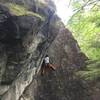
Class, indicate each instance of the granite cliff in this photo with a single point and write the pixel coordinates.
(29, 30)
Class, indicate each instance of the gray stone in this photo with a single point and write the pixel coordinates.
(25, 41)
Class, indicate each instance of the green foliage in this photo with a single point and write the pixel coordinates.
(91, 73)
(85, 26)
(20, 10)
(76, 4)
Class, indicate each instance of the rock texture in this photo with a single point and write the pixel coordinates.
(29, 30)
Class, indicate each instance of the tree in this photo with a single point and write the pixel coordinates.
(85, 25)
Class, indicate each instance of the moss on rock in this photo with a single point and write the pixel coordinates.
(20, 10)
(92, 72)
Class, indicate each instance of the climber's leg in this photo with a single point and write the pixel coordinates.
(51, 67)
(46, 69)
(42, 70)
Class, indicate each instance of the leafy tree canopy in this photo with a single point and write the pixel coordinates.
(85, 25)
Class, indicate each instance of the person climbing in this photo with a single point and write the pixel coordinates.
(46, 66)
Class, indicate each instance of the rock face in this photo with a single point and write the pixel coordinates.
(29, 30)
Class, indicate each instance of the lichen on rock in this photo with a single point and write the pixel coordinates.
(20, 10)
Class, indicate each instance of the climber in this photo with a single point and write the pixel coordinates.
(46, 66)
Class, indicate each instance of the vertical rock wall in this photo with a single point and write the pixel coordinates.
(29, 30)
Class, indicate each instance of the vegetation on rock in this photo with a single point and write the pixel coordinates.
(20, 10)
